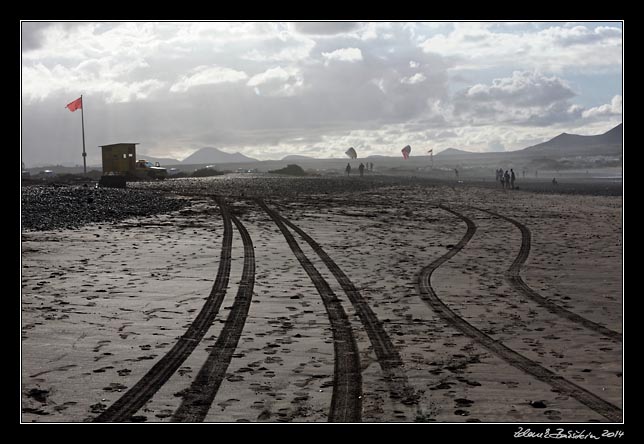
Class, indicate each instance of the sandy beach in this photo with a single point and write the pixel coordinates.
(386, 300)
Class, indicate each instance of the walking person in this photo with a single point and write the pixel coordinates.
(361, 169)
(512, 178)
(506, 176)
(348, 169)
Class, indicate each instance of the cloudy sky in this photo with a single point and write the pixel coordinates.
(269, 89)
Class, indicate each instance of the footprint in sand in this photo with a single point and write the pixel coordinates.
(442, 386)
(164, 414)
(98, 407)
(34, 411)
(463, 402)
(38, 395)
(257, 405)
(553, 415)
(64, 406)
(264, 416)
(183, 370)
(227, 403)
(114, 387)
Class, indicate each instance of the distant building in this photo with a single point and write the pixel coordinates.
(119, 157)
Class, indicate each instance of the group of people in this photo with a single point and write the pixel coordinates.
(507, 179)
(361, 168)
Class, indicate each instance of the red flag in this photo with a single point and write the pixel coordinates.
(76, 104)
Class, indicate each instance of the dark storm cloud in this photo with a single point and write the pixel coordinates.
(525, 98)
(32, 34)
(556, 113)
(325, 28)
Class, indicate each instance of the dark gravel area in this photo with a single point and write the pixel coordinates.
(266, 185)
(570, 186)
(53, 207)
(48, 207)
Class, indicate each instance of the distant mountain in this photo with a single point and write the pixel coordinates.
(296, 157)
(213, 155)
(563, 145)
(609, 143)
(451, 152)
(380, 156)
(615, 135)
(163, 161)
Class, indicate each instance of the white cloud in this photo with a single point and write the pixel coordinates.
(204, 75)
(82, 41)
(554, 49)
(108, 60)
(277, 81)
(380, 83)
(371, 31)
(39, 82)
(614, 108)
(344, 55)
(522, 89)
(122, 92)
(270, 74)
(220, 36)
(285, 55)
(582, 35)
(416, 78)
(525, 98)
(289, 48)
(385, 84)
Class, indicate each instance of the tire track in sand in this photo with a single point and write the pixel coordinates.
(388, 357)
(513, 276)
(199, 397)
(346, 400)
(132, 400)
(427, 294)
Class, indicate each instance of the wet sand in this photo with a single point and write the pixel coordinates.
(101, 304)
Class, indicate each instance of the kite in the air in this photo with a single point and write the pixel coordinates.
(405, 152)
(351, 152)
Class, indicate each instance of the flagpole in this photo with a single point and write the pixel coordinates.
(83, 130)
